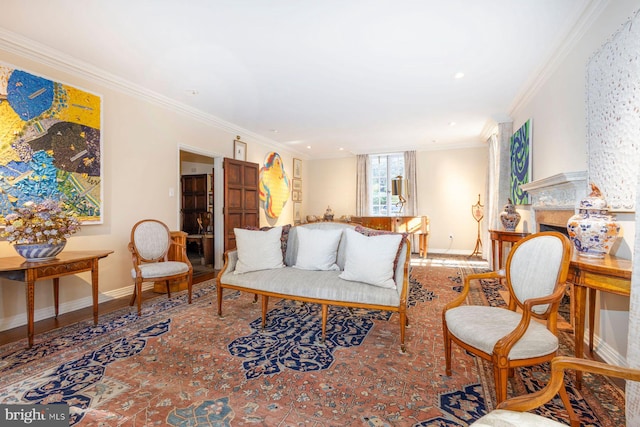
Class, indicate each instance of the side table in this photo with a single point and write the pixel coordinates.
(499, 237)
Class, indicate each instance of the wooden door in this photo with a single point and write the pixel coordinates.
(241, 199)
(194, 201)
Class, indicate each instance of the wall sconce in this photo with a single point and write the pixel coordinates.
(399, 188)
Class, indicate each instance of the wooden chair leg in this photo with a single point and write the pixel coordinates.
(574, 421)
(190, 288)
(133, 297)
(501, 376)
(265, 306)
(403, 325)
(447, 351)
(219, 292)
(325, 310)
(139, 290)
(168, 289)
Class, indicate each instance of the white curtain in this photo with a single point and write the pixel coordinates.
(632, 395)
(493, 194)
(411, 175)
(362, 185)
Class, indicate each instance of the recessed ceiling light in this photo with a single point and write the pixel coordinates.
(341, 149)
(452, 123)
(309, 147)
(458, 75)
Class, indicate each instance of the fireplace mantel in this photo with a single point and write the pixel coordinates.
(554, 199)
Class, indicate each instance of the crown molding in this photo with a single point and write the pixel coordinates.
(587, 16)
(45, 55)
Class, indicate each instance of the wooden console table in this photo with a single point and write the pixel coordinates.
(500, 237)
(400, 224)
(608, 274)
(66, 263)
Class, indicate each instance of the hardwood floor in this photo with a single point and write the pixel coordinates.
(16, 334)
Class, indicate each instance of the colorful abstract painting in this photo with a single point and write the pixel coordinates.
(520, 163)
(50, 144)
(274, 185)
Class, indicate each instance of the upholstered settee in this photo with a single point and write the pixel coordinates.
(328, 263)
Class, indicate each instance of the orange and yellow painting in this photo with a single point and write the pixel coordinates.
(274, 185)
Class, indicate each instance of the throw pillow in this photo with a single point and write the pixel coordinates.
(283, 239)
(258, 250)
(317, 249)
(371, 232)
(370, 259)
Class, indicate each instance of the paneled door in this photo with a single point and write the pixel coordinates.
(194, 201)
(241, 199)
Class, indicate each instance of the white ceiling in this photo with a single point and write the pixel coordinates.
(362, 76)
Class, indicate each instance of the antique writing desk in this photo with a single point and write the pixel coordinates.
(499, 237)
(608, 274)
(66, 263)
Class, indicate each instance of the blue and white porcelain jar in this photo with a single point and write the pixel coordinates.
(593, 230)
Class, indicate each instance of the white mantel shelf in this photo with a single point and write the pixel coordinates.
(559, 179)
(561, 191)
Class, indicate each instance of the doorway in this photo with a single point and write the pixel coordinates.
(197, 201)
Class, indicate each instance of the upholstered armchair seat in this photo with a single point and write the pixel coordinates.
(160, 269)
(464, 322)
(149, 247)
(504, 418)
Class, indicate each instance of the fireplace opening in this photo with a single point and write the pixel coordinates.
(551, 227)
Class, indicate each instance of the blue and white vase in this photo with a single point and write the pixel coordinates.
(509, 217)
(592, 229)
(36, 252)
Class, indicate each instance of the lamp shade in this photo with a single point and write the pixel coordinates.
(398, 186)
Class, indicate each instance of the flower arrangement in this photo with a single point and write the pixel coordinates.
(47, 222)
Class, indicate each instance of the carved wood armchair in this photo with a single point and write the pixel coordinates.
(511, 412)
(524, 333)
(149, 247)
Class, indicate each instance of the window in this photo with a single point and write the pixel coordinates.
(384, 168)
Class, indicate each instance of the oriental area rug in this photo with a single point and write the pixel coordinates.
(182, 365)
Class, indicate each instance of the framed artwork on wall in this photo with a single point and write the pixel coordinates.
(296, 185)
(297, 214)
(52, 146)
(520, 157)
(240, 150)
(297, 169)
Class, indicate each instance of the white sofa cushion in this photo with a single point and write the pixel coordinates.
(502, 418)
(258, 250)
(370, 259)
(317, 249)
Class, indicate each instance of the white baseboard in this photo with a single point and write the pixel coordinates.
(66, 307)
(464, 252)
(607, 353)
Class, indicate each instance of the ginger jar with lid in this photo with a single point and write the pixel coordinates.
(592, 229)
(510, 217)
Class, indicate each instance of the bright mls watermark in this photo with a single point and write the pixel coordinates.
(54, 415)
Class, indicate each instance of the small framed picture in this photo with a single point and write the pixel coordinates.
(240, 150)
(296, 185)
(296, 196)
(297, 169)
(297, 214)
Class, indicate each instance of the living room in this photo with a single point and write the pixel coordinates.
(144, 133)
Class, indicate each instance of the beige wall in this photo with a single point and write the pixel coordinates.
(558, 113)
(449, 182)
(141, 144)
